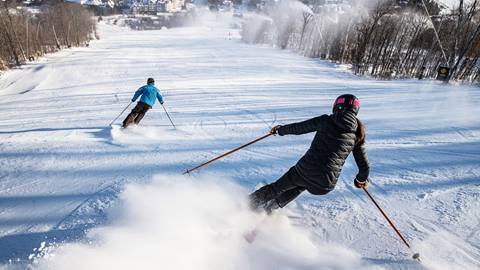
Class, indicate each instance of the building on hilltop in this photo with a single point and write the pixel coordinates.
(154, 6)
(32, 2)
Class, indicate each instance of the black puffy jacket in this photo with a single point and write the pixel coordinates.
(334, 140)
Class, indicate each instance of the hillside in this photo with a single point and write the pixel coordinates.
(76, 193)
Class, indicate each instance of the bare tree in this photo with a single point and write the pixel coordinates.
(26, 36)
(385, 39)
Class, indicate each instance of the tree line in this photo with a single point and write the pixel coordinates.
(383, 39)
(26, 35)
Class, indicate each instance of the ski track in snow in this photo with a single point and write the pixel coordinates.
(63, 168)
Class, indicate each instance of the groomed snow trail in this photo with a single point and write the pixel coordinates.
(63, 169)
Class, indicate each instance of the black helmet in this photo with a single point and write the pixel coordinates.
(346, 102)
(150, 80)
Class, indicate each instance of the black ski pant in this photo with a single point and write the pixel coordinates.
(283, 191)
(136, 114)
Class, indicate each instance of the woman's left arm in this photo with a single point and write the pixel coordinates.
(361, 158)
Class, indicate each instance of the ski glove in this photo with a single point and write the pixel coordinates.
(274, 130)
(161, 102)
(359, 184)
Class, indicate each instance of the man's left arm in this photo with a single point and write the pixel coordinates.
(159, 97)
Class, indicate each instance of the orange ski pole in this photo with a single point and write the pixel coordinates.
(228, 153)
(415, 256)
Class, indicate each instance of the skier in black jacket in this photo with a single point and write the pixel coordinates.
(317, 171)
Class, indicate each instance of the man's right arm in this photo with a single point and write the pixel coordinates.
(137, 94)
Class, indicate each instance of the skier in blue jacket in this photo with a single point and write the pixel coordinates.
(148, 95)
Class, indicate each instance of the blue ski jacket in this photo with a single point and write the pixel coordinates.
(149, 93)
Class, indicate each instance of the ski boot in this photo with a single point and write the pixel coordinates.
(259, 199)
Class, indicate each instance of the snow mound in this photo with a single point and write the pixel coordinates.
(195, 223)
(443, 250)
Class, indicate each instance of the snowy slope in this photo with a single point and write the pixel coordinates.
(64, 171)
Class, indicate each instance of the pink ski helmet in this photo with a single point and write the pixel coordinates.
(346, 102)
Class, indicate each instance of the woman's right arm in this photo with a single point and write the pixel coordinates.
(304, 127)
